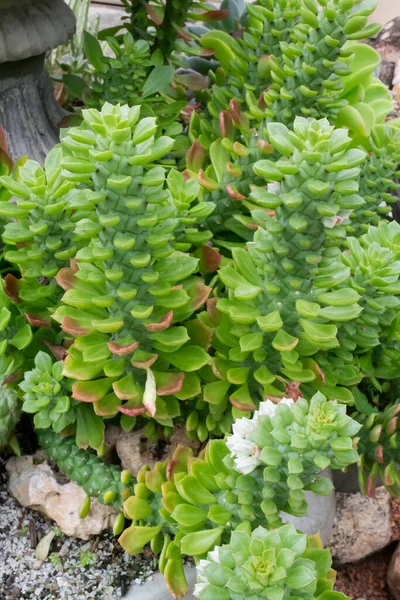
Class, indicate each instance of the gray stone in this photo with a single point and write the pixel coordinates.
(35, 486)
(362, 526)
(320, 517)
(157, 589)
(393, 575)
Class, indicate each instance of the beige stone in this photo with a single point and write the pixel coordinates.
(35, 486)
(362, 526)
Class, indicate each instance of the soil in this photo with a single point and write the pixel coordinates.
(366, 580)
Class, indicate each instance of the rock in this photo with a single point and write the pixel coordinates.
(387, 43)
(136, 451)
(35, 486)
(157, 590)
(362, 526)
(320, 517)
(61, 581)
(393, 575)
(386, 72)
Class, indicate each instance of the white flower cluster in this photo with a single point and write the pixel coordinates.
(202, 580)
(243, 449)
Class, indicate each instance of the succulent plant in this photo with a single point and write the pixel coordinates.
(298, 308)
(378, 446)
(46, 396)
(106, 483)
(357, 100)
(229, 17)
(39, 233)
(267, 564)
(15, 336)
(303, 308)
(67, 63)
(293, 60)
(10, 405)
(261, 470)
(6, 164)
(377, 177)
(133, 76)
(131, 282)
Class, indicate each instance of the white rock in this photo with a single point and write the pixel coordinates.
(36, 487)
(362, 526)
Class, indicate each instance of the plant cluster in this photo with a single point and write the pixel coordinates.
(253, 289)
(126, 72)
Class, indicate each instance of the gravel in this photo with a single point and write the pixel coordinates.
(74, 569)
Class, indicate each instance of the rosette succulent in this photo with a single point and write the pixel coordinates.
(267, 564)
(45, 394)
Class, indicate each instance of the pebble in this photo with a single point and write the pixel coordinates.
(61, 581)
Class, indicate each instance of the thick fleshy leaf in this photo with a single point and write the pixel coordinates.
(198, 543)
(135, 538)
(189, 358)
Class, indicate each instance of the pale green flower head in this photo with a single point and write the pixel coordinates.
(325, 418)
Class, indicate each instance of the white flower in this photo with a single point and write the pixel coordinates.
(268, 408)
(198, 588)
(214, 554)
(287, 401)
(242, 448)
(246, 464)
(201, 578)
